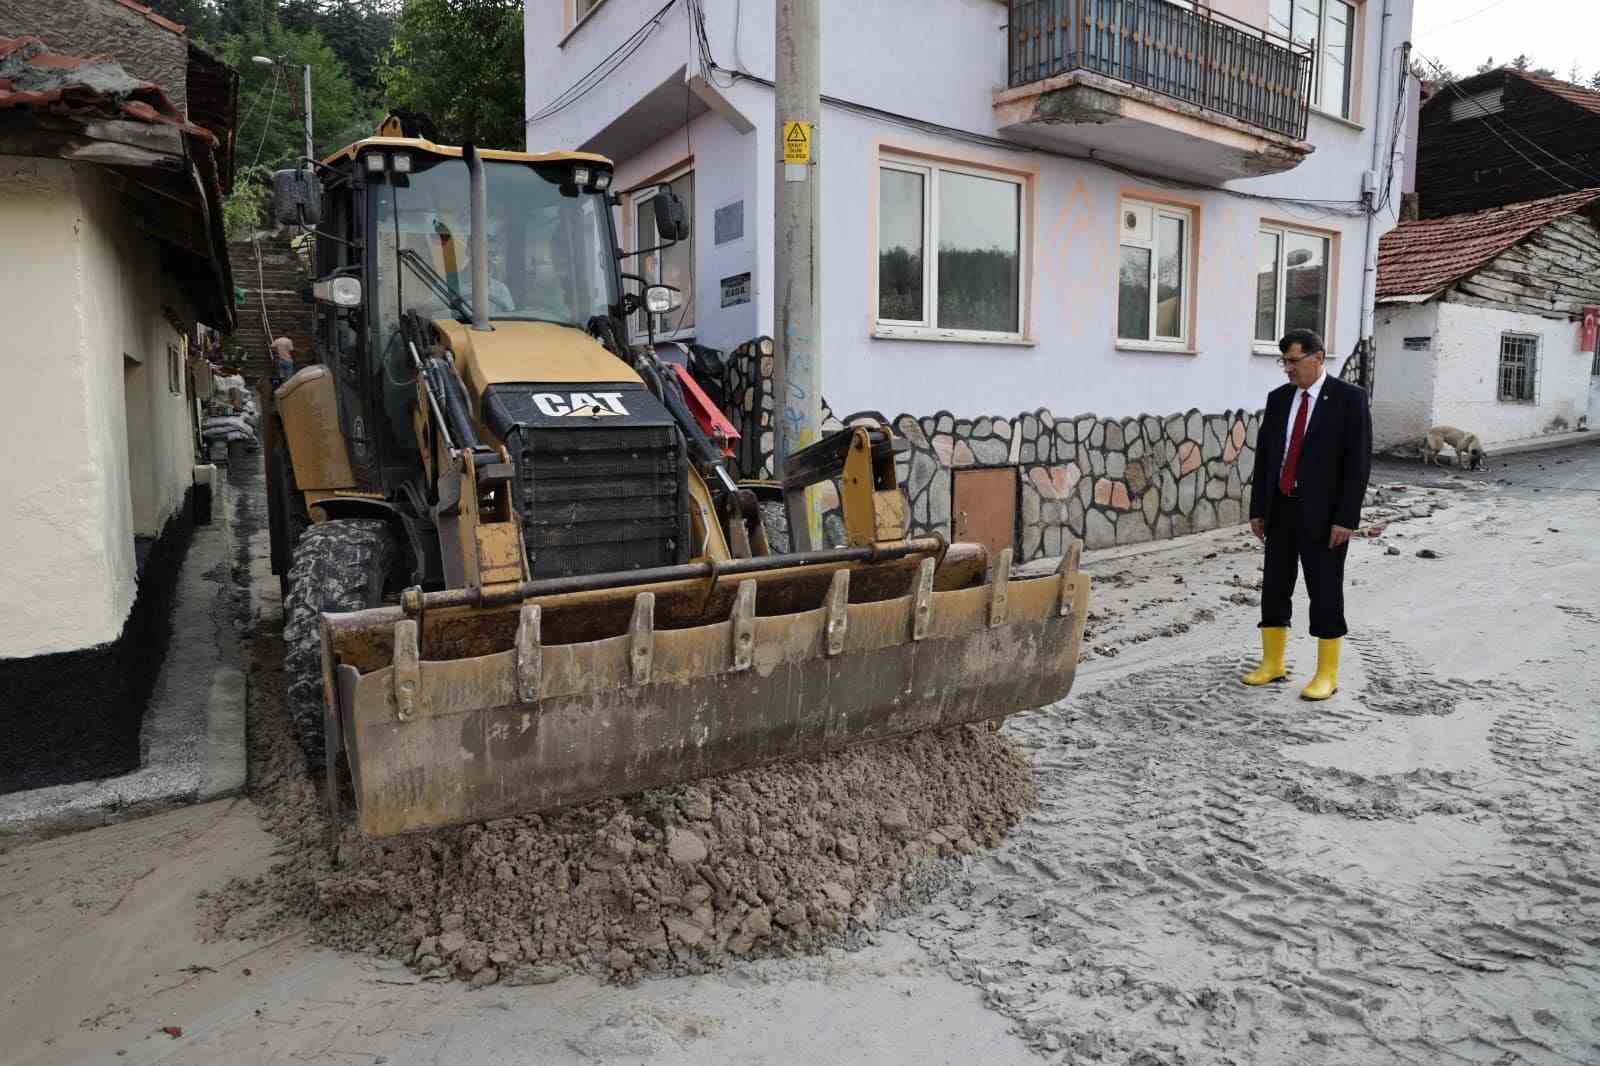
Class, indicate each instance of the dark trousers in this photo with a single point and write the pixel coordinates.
(1292, 545)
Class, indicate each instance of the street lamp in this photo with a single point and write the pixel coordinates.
(268, 61)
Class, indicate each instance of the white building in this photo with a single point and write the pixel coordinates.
(110, 215)
(1482, 321)
(1119, 227)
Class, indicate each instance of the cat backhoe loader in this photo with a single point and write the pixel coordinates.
(520, 571)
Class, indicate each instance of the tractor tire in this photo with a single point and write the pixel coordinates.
(287, 514)
(342, 565)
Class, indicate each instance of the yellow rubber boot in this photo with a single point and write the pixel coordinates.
(1273, 640)
(1326, 681)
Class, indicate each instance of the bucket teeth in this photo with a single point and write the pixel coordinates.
(744, 626)
(529, 654)
(838, 611)
(642, 637)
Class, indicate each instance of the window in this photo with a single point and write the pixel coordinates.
(1292, 271)
(1519, 368)
(581, 8)
(1329, 26)
(1153, 274)
(972, 288)
(673, 265)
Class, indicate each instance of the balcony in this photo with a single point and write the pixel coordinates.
(1152, 83)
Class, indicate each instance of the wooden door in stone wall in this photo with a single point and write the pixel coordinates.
(983, 507)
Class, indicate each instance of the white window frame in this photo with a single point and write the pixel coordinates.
(1320, 38)
(1265, 347)
(1532, 354)
(636, 202)
(1184, 342)
(928, 328)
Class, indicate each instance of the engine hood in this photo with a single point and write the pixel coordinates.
(530, 351)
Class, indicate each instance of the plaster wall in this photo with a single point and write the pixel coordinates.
(948, 74)
(1402, 400)
(102, 463)
(726, 177)
(1466, 391)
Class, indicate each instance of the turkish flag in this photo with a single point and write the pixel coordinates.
(1591, 329)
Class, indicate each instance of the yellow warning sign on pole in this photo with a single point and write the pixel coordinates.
(797, 142)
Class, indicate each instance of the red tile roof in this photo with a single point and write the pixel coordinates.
(1588, 99)
(1424, 257)
(159, 20)
(32, 76)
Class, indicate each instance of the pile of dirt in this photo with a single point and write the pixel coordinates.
(786, 860)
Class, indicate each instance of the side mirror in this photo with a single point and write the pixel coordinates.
(662, 299)
(296, 197)
(672, 219)
(340, 292)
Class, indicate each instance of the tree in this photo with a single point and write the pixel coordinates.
(1594, 82)
(358, 31)
(460, 63)
(1486, 66)
(270, 106)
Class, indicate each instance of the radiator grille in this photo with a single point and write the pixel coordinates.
(596, 499)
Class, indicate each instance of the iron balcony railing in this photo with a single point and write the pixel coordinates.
(1204, 59)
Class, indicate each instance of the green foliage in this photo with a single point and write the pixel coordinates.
(460, 63)
(244, 209)
(270, 119)
(358, 31)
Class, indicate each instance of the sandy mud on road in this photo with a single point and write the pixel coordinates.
(785, 860)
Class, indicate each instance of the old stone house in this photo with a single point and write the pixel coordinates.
(1488, 322)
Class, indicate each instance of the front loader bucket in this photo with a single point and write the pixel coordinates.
(463, 713)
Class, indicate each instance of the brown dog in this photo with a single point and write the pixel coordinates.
(1468, 450)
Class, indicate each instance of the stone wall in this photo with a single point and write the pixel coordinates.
(1099, 480)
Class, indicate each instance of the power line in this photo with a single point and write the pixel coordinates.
(603, 69)
(1490, 124)
(266, 121)
(1464, 18)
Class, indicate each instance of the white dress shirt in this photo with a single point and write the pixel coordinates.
(1313, 392)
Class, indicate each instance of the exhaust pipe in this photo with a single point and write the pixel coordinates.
(478, 243)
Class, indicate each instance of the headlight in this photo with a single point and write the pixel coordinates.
(402, 162)
(375, 163)
(580, 176)
(602, 181)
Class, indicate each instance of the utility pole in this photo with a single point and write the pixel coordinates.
(278, 66)
(796, 327)
(310, 151)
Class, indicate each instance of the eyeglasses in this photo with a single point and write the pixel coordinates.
(1286, 362)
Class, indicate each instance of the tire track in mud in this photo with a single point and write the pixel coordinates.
(1161, 906)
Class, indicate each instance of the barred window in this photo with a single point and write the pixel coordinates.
(1594, 367)
(1519, 368)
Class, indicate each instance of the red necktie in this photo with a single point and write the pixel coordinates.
(1296, 439)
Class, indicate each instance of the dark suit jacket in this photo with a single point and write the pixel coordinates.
(1335, 459)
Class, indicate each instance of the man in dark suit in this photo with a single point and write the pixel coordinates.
(1313, 459)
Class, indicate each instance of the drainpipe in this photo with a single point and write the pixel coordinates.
(1380, 136)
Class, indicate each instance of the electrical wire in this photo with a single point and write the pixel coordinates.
(688, 147)
(266, 121)
(603, 69)
(1490, 123)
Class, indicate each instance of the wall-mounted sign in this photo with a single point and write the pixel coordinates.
(736, 290)
(1591, 329)
(797, 142)
(728, 222)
